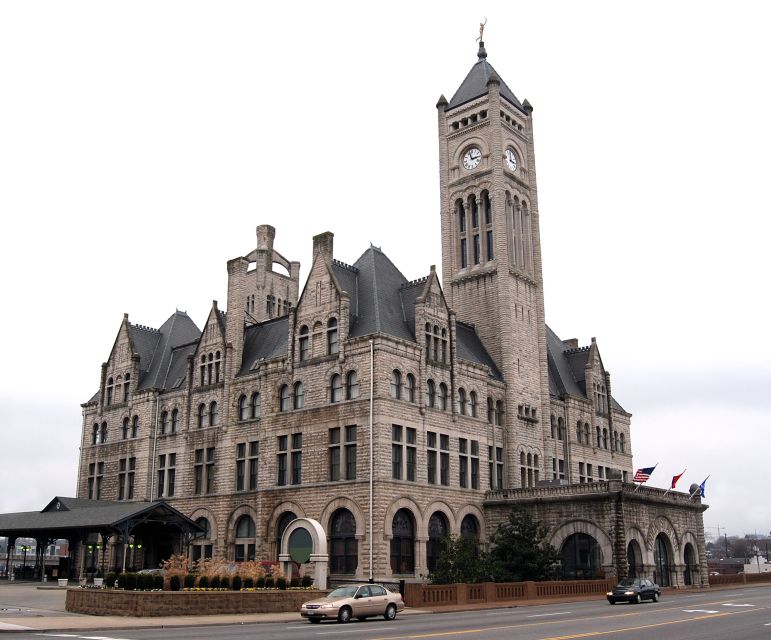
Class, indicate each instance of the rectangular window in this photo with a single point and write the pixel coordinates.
(240, 466)
(254, 454)
(91, 481)
(198, 472)
(161, 474)
(297, 458)
(499, 466)
(589, 475)
(444, 460)
(350, 452)
(281, 460)
(210, 470)
(171, 475)
(476, 248)
(132, 465)
(334, 454)
(581, 474)
(625, 476)
(463, 254)
(475, 464)
(431, 457)
(490, 254)
(396, 451)
(126, 469)
(601, 472)
(463, 462)
(412, 454)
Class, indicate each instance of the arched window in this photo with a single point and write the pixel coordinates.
(127, 388)
(217, 366)
(469, 527)
(403, 543)
(461, 210)
(621, 443)
(256, 405)
(204, 524)
(444, 345)
(213, 414)
(634, 559)
(661, 561)
(581, 557)
(332, 345)
(203, 370)
(126, 424)
(164, 421)
(604, 438)
(490, 411)
(118, 385)
(691, 568)
(396, 384)
(462, 401)
(243, 409)
(351, 386)
(103, 432)
(553, 426)
(410, 388)
(95, 433)
(299, 395)
(579, 432)
(599, 438)
(210, 369)
(344, 548)
(586, 433)
(304, 343)
(428, 341)
(437, 534)
(336, 388)
(488, 213)
(472, 400)
(443, 396)
(134, 426)
(201, 547)
(245, 528)
(435, 353)
(561, 428)
(430, 393)
(283, 398)
(244, 544)
(499, 412)
(109, 391)
(201, 415)
(281, 525)
(174, 420)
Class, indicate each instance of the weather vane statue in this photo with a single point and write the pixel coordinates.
(482, 30)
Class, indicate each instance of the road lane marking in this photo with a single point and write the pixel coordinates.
(588, 634)
(7, 626)
(729, 604)
(699, 611)
(546, 615)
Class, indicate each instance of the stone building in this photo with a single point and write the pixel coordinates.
(394, 412)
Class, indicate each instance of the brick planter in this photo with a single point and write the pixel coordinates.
(115, 602)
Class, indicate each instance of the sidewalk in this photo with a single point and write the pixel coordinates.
(54, 618)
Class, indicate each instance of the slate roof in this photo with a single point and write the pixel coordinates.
(475, 84)
(567, 369)
(470, 348)
(156, 347)
(82, 514)
(263, 341)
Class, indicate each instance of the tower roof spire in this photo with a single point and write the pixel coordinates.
(482, 53)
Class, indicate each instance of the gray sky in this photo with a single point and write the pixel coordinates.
(142, 142)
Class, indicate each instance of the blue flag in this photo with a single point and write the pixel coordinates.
(701, 487)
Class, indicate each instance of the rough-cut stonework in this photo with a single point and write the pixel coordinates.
(514, 389)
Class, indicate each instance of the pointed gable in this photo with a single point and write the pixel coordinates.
(178, 330)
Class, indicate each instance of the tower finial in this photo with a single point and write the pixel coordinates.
(482, 54)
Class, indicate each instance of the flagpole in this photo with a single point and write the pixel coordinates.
(699, 488)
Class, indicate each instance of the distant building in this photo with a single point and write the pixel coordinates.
(471, 402)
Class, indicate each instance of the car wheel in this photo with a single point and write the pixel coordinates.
(390, 612)
(314, 620)
(637, 599)
(656, 597)
(344, 615)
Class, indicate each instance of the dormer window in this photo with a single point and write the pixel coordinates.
(436, 344)
(109, 391)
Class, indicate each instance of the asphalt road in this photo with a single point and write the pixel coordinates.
(736, 614)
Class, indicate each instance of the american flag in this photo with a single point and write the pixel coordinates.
(642, 475)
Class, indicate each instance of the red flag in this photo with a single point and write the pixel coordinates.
(676, 478)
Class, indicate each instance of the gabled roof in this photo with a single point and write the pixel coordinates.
(470, 348)
(475, 84)
(178, 330)
(263, 341)
(567, 369)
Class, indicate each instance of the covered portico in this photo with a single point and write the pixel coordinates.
(103, 535)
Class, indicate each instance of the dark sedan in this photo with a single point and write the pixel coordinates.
(634, 590)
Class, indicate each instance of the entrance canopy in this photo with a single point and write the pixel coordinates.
(73, 518)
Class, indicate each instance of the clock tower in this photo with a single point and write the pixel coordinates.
(491, 252)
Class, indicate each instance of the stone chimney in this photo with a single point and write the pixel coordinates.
(322, 245)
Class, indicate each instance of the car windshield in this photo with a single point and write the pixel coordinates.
(343, 592)
(629, 583)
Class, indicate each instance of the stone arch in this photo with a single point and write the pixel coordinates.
(402, 503)
(344, 503)
(425, 515)
(241, 510)
(275, 514)
(635, 533)
(203, 512)
(521, 155)
(471, 510)
(663, 525)
(562, 533)
(689, 538)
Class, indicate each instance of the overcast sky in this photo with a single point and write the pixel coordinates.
(142, 142)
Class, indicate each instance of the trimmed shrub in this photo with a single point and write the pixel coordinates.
(249, 583)
(260, 584)
(148, 581)
(214, 582)
(174, 582)
(281, 583)
(306, 581)
(225, 582)
(121, 580)
(129, 582)
(189, 581)
(203, 582)
(158, 582)
(236, 583)
(294, 582)
(268, 582)
(110, 578)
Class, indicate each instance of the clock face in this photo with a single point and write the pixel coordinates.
(511, 159)
(472, 158)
